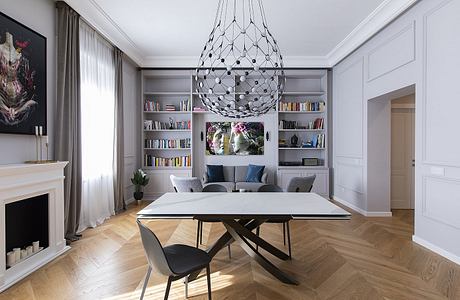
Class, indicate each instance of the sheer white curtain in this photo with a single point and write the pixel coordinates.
(97, 121)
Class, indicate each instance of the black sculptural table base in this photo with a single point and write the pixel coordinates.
(240, 231)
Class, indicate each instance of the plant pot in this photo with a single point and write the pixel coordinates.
(138, 195)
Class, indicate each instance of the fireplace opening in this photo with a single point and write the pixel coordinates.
(26, 223)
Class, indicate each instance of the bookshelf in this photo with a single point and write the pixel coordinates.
(303, 113)
(174, 100)
(166, 127)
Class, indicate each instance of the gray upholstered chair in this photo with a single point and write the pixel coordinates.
(175, 261)
(186, 184)
(214, 188)
(267, 188)
(270, 188)
(301, 184)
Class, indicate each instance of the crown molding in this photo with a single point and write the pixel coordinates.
(191, 61)
(386, 12)
(101, 21)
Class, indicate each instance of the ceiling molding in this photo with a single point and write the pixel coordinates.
(192, 61)
(101, 21)
(386, 12)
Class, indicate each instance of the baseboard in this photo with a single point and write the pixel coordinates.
(450, 256)
(129, 201)
(362, 211)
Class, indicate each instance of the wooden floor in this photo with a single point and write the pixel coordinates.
(364, 258)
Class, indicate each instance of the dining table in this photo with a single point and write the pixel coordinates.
(241, 213)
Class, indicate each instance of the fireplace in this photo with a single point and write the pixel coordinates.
(31, 218)
(26, 222)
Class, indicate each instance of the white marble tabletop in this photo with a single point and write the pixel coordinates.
(240, 205)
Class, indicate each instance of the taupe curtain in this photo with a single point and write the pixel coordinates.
(118, 147)
(67, 146)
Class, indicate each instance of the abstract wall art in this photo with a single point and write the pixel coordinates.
(22, 78)
(234, 138)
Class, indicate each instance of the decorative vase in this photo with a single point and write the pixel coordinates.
(294, 140)
(138, 195)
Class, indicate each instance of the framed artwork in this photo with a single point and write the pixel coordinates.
(22, 78)
(234, 138)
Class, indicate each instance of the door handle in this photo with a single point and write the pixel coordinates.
(413, 163)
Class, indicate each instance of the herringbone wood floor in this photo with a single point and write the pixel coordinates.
(364, 258)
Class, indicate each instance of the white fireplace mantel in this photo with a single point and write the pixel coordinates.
(22, 181)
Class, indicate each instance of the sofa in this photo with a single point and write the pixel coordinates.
(235, 179)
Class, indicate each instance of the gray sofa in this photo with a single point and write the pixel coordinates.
(235, 179)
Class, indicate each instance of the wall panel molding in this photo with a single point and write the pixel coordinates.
(396, 43)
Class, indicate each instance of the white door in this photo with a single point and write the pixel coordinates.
(402, 157)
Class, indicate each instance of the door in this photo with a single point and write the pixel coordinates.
(402, 157)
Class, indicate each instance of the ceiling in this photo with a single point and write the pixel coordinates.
(310, 33)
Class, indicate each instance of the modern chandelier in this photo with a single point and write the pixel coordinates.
(240, 70)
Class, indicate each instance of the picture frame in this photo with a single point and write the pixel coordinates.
(23, 73)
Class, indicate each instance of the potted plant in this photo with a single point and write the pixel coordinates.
(140, 179)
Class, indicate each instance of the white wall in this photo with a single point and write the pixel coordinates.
(421, 47)
(131, 117)
(39, 16)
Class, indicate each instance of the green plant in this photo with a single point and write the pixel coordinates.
(139, 179)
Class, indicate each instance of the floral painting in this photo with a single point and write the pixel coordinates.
(234, 138)
(22, 78)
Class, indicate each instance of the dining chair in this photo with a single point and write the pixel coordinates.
(193, 184)
(211, 188)
(175, 261)
(267, 188)
(186, 184)
(301, 184)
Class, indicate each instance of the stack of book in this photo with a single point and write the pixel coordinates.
(178, 161)
(167, 143)
(170, 107)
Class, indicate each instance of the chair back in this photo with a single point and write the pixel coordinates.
(301, 184)
(186, 184)
(214, 188)
(270, 188)
(154, 251)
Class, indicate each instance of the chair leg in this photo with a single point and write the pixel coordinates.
(258, 234)
(289, 239)
(208, 277)
(198, 234)
(284, 234)
(146, 281)
(168, 287)
(201, 233)
(186, 286)
(229, 251)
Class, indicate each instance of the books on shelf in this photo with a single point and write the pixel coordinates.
(199, 108)
(153, 106)
(178, 161)
(317, 141)
(318, 123)
(302, 106)
(157, 125)
(167, 143)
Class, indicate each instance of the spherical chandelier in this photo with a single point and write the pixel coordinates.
(240, 70)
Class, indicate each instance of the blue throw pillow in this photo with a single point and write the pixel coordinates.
(254, 173)
(215, 173)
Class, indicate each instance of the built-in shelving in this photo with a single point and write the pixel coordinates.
(169, 86)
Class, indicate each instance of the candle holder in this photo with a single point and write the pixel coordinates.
(39, 148)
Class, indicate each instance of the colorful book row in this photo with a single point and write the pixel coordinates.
(179, 161)
(167, 143)
(156, 125)
(302, 106)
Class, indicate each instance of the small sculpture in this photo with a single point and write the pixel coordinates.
(294, 140)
